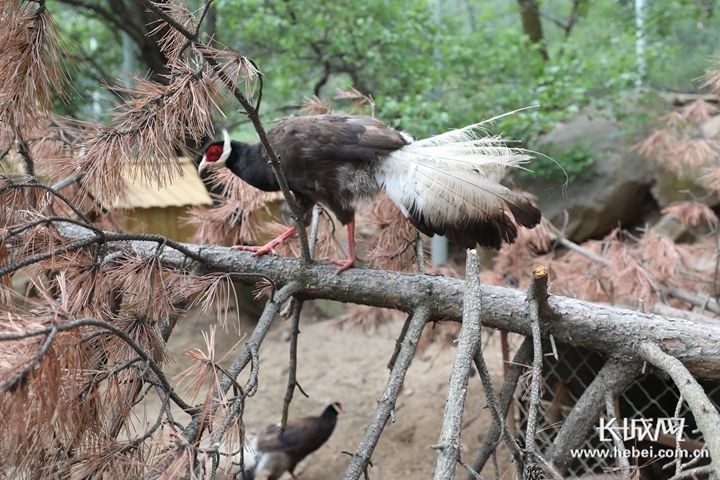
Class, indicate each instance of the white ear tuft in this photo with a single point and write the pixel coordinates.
(227, 147)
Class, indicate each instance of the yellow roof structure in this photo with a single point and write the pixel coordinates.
(183, 190)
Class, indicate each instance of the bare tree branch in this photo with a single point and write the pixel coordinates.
(706, 303)
(693, 473)
(580, 249)
(361, 458)
(622, 459)
(607, 329)
(99, 12)
(499, 407)
(292, 368)
(537, 296)
(24, 150)
(613, 377)
(448, 445)
(705, 413)
(296, 305)
(66, 182)
(568, 24)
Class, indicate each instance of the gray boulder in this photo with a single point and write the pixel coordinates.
(613, 190)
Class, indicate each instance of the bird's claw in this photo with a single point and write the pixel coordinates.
(344, 264)
(258, 250)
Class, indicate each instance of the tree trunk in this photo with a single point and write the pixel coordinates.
(532, 27)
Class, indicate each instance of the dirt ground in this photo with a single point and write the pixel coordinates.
(337, 362)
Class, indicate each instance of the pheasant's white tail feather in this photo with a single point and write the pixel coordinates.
(251, 457)
(449, 184)
(475, 132)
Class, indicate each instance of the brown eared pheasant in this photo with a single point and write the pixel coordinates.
(448, 184)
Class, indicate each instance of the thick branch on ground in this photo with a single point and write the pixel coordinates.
(613, 378)
(702, 408)
(704, 302)
(599, 327)
(668, 311)
(386, 404)
(449, 444)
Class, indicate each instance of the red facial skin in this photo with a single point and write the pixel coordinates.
(213, 153)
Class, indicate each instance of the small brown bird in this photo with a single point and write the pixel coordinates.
(448, 184)
(279, 451)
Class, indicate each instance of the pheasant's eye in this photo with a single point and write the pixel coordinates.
(213, 153)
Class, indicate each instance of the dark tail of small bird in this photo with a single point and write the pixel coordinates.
(449, 185)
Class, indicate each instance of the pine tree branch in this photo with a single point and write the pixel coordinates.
(704, 302)
(254, 116)
(193, 431)
(122, 335)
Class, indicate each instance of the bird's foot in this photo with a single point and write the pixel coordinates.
(257, 250)
(268, 247)
(344, 264)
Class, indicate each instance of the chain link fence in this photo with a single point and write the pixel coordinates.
(650, 397)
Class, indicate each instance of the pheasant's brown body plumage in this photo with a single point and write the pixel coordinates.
(278, 451)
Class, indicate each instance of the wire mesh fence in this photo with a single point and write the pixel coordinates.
(648, 399)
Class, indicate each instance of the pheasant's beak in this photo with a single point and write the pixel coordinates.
(203, 165)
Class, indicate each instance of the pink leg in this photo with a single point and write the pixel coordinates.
(268, 247)
(345, 264)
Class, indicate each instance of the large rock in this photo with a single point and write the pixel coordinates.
(613, 191)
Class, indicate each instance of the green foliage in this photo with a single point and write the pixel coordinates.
(560, 165)
(380, 46)
(94, 58)
(432, 66)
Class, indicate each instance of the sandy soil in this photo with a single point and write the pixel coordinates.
(348, 365)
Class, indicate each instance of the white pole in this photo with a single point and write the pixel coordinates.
(96, 109)
(438, 244)
(640, 60)
(129, 66)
